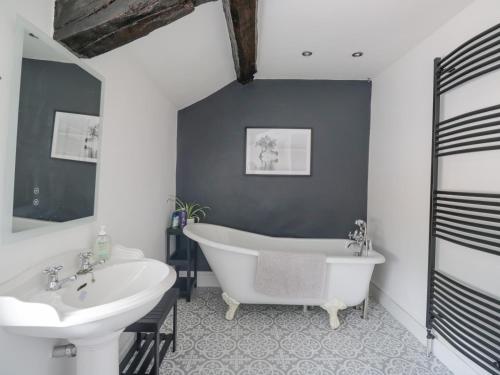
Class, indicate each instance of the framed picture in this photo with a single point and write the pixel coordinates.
(76, 137)
(278, 151)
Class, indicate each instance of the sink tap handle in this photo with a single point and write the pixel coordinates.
(86, 255)
(85, 261)
(53, 270)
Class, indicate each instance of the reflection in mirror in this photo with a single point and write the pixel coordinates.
(57, 147)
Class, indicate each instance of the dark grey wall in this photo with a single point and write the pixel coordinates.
(210, 164)
(67, 187)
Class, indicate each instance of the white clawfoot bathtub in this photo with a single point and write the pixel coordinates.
(232, 255)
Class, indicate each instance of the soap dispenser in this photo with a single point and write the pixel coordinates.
(102, 248)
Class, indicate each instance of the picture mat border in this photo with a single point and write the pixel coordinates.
(53, 155)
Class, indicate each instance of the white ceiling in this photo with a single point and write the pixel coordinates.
(191, 58)
(333, 29)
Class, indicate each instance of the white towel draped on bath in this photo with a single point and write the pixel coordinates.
(285, 274)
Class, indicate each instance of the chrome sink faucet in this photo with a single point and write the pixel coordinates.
(359, 238)
(86, 265)
(53, 282)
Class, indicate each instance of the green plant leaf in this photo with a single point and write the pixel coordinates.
(200, 211)
(193, 209)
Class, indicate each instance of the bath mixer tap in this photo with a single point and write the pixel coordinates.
(53, 282)
(359, 238)
(86, 266)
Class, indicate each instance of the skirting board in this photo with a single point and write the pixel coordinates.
(207, 279)
(444, 352)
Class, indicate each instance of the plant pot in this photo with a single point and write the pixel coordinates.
(190, 221)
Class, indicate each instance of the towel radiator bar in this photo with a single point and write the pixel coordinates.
(465, 317)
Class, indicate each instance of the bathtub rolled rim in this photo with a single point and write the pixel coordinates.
(374, 257)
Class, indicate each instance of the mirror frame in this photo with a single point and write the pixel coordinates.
(7, 208)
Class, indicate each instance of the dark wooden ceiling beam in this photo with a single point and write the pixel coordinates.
(241, 17)
(92, 27)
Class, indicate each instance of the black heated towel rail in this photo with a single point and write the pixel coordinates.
(459, 313)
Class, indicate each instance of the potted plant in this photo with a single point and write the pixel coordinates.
(194, 211)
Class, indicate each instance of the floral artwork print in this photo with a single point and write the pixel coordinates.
(278, 151)
(268, 155)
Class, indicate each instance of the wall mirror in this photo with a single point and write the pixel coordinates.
(54, 142)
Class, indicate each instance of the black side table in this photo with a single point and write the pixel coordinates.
(183, 259)
(142, 354)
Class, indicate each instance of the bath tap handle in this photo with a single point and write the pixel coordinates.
(360, 223)
(356, 235)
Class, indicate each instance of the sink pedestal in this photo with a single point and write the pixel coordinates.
(98, 355)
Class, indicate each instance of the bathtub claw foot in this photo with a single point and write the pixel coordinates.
(232, 306)
(332, 308)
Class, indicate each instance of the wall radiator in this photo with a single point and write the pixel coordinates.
(462, 315)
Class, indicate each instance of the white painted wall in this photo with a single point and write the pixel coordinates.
(399, 171)
(137, 175)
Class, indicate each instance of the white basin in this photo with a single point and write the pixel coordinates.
(89, 314)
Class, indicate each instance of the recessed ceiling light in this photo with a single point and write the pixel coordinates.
(357, 54)
(307, 53)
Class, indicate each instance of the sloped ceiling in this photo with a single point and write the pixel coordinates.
(191, 58)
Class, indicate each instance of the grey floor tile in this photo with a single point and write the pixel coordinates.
(282, 340)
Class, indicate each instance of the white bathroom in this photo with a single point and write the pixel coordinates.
(243, 187)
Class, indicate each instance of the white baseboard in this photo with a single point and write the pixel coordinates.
(207, 279)
(457, 363)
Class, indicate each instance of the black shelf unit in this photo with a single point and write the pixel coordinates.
(151, 345)
(183, 259)
(465, 317)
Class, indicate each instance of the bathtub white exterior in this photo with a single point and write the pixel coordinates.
(232, 255)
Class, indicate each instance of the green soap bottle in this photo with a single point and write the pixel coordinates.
(102, 247)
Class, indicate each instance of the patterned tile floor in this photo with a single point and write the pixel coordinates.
(279, 340)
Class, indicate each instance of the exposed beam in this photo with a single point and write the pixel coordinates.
(93, 27)
(241, 17)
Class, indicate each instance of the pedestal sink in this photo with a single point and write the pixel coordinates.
(90, 312)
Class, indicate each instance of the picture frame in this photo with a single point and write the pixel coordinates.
(75, 137)
(278, 151)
